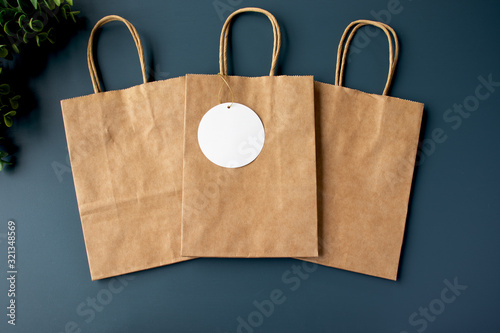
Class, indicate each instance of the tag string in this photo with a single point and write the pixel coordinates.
(222, 76)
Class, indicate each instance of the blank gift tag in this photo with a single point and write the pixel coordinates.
(231, 135)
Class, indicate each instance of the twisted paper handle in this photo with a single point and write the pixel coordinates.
(344, 47)
(90, 49)
(225, 33)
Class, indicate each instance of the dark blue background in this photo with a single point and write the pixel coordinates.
(453, 225)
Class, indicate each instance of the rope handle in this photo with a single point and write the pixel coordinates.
(225, 33)
(346, 39)
(90, 49)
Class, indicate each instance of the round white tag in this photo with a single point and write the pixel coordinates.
(231, 136)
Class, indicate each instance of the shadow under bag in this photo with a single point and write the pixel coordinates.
(367, 146)
(125, 148)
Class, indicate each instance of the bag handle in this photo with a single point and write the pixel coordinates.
(344, 47)
(225, 33)
(90, 49)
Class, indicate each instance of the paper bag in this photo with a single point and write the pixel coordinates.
(125, 149)
(268, 207)
(367, 145)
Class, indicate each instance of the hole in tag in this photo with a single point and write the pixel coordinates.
(231, 135)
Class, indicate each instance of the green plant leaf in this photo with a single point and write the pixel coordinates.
(7, 14)
(15, 48)
(14, 102)
(26, 28)
(17, 14)
(7, 118)
(51, 36)
(63, 12)
(11, 28)
(4, 89)
(57, 2)
(2, 162)
(3, 154)
(20, 36)
(4, 51)
(72, 14)
(40, 38)
(36, 25)
(3, 15)
(50, 4)
(70, 2)
(34, 3)
(26, 6)
(26, 37)
(23, 21)
(66, 9)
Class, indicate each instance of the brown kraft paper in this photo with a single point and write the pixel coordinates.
(268, 207)
(367, 145)
(125, 149)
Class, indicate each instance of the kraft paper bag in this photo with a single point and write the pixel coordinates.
(367, 146)
(268, 207)
(125, 149)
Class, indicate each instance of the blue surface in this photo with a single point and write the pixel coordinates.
(453, 225)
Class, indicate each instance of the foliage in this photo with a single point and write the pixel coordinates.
(9, 103)
(24, 23)
(29, 21)
(3, 162)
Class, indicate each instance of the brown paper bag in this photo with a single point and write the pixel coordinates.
(268, 207)
(125, 149)
(367, 145)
